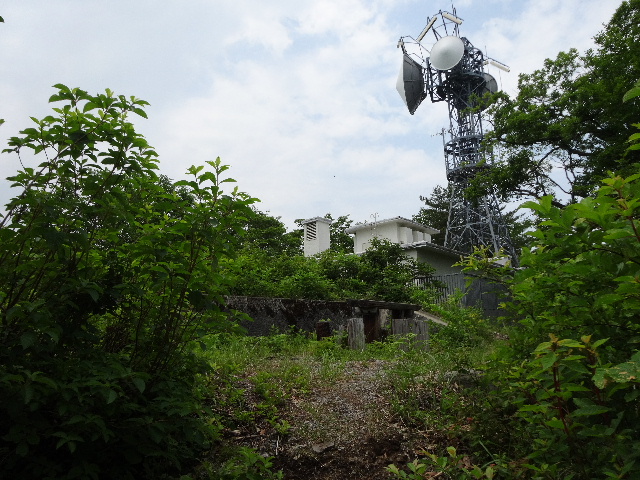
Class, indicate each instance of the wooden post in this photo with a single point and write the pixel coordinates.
(355, 332)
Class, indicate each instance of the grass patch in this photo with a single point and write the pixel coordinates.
(292, 391)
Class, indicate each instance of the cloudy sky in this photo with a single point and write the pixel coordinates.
(298, 97)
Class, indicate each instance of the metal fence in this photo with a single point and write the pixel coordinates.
(445, 285)
(481, 293)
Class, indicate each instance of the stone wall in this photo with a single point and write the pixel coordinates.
(267, 315)
(283, 314)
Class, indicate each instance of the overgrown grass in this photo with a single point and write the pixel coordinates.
(254, 378)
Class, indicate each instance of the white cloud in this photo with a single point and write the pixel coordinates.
(298, 97)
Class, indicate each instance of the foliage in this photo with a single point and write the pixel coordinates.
(567, 126)
(582, 272)
(388, 272)
(465, 326)
(107, 276)
(282, 276)
(435, 213)
(268, 234)
(340, 240)
(383, 272)
(580, 280)
(454, 465)
(241, 463)
(633, 93)
(580, 414)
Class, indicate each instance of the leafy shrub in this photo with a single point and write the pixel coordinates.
(243, 464)
(578, 398)
(466, 326)
(108, 273)
(383, 272)
(580, 414)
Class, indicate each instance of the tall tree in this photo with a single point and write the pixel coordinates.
(268, 234)
(435, 213)
(341, 241)
(568, 126)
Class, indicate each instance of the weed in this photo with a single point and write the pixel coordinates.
(241, 463)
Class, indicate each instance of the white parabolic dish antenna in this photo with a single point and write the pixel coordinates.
(491, 85)
(447, 52)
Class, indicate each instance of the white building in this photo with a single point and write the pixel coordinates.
(317, 235)
(414, 238)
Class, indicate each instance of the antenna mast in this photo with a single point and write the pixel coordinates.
(453, 72)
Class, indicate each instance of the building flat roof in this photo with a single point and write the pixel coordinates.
(403, 222)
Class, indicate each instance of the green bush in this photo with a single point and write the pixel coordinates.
(580, 414)
(577, 398)
(108, 274)
(466, 326)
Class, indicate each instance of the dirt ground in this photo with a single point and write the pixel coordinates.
(345, 429)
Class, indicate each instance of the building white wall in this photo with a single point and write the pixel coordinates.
(316, 236)
(442, 262)
(413, 236)
(397, 230)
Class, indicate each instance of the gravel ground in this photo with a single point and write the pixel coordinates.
(343, 429)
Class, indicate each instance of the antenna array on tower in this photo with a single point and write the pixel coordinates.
(452, 70)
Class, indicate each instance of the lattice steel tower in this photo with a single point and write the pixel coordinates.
(453, 72)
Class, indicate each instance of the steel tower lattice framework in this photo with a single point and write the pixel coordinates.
(477, 222)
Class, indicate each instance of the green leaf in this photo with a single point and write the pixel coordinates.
(590, 410)
(597, 343)
(111, 397)
(570, 343)
(548, 360)
(489, 472)
(139, 383)
(618, 233)
(555, 423)
(533, 408)
(633, 93)
(89, 106)
(140, 112)
(28, 393)
(599, 378)
(28, 339)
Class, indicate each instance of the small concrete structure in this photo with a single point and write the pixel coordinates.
(317, 235)
(415, 240)
(264, 315)
(439, 257)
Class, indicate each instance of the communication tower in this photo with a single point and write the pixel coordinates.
(452, 70)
